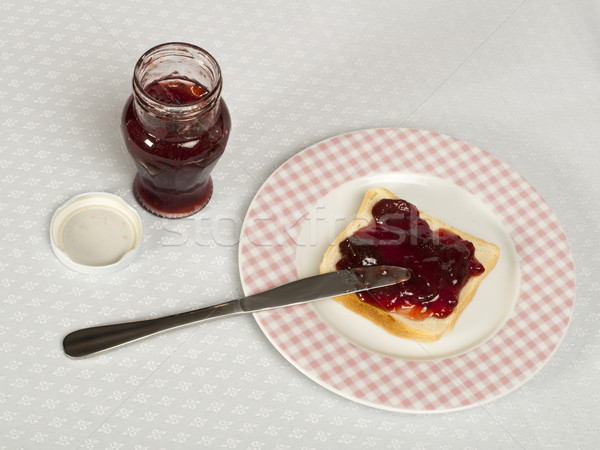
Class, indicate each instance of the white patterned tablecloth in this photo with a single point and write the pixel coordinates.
(518, 78)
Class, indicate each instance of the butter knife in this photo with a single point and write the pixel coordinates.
(87, 341)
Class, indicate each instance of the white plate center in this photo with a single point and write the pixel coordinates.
(488, 310)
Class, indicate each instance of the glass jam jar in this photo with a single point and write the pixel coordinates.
(176, 126)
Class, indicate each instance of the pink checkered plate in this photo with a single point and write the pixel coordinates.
(509, 331)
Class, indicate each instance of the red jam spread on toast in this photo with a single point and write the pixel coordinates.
(440, 261)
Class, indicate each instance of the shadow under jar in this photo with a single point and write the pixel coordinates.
(176, 126)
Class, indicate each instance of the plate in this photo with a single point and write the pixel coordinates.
(466, 187)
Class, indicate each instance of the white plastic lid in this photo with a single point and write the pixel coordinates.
(96, 233)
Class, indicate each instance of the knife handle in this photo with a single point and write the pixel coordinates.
(86, 341)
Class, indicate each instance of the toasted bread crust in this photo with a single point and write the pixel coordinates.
(427, 330)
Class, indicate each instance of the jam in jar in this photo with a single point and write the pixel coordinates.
(176, 126)
(440, 261)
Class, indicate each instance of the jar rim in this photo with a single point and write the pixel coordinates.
(207, 101)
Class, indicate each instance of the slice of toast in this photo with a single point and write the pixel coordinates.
(429, 329)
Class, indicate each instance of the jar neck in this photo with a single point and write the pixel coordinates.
(192, 108)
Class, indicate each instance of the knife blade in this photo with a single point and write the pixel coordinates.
(88, 341)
